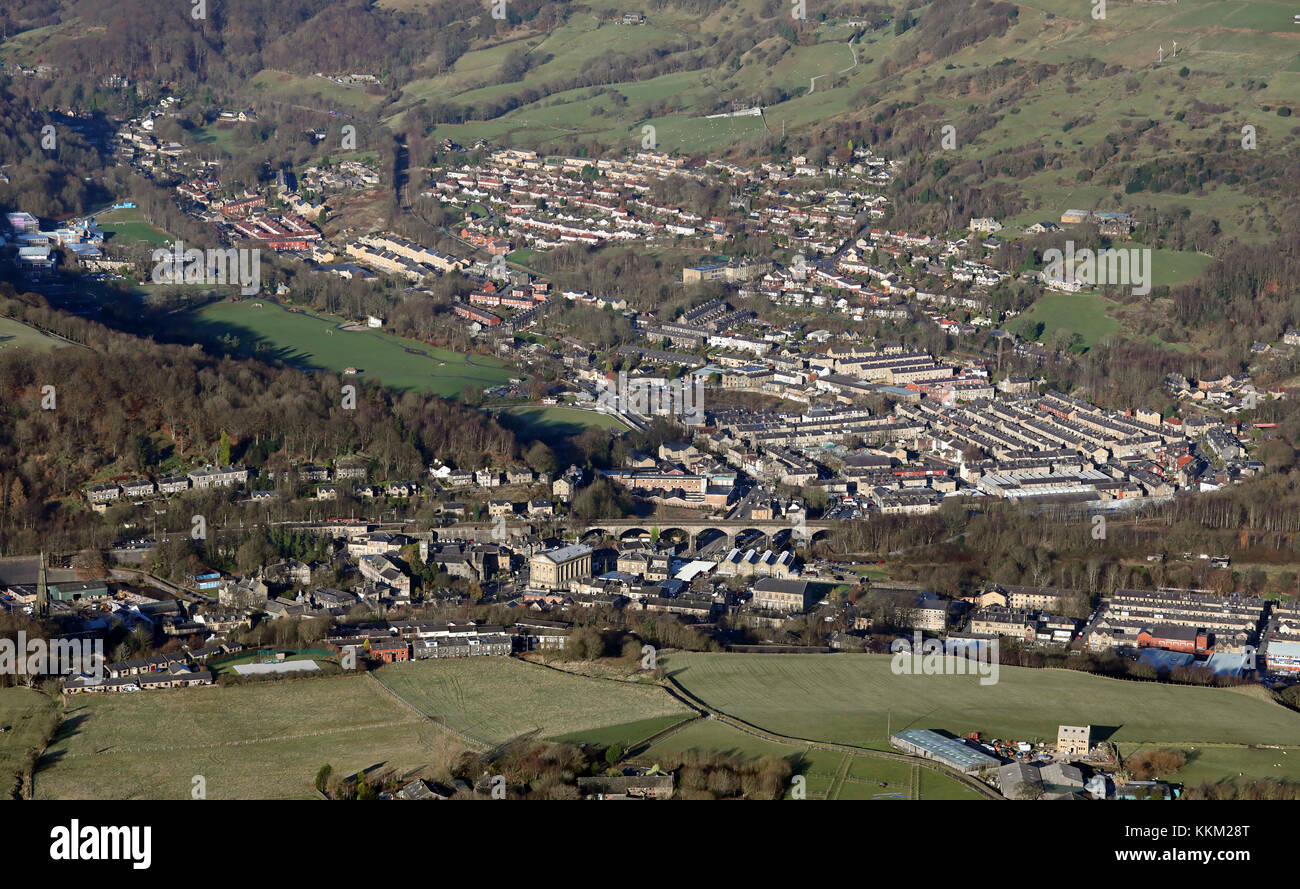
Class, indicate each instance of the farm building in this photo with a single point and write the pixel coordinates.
(949, 751)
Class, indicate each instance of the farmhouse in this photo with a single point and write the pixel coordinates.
(634, 786)
(1074, 740)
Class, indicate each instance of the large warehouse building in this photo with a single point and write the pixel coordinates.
(949, 751)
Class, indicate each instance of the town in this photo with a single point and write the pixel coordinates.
(796, 431)
(715, 401)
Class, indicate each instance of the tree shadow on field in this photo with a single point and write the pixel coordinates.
(69, 727)
(367, 771)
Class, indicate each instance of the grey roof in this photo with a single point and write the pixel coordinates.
(282, 667)
(946, 749)
(564, 553)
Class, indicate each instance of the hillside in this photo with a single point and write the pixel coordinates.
(1050, 108)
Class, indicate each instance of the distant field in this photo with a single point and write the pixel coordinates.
(551, 421)
(861, 777)
(1214, 764)
(615, 114)
(218, 133)
(854, 698)
(1086, 314)
(493, 699)
(315, 342)
(16, 335)
(25, 715)
(320, 93)
(264, 740)
(1170, 267)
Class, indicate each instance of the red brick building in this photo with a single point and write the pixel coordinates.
(487, 319)
(1193, 640)
(391, 651)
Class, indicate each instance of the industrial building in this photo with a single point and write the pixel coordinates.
(949, 751)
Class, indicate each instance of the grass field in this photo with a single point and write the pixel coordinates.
(552, 421)
(16, 335)
(1087, 314)
(130, 226)
(316, 343)
(1171, 267)
(674, 104)
(1215, 764)
(625, 734)
(827, 774)
(854, 698)
(316, 93)
(264, 740)
(1094, 316)
(134, 232)
(494, 699)
(25, 715)
(1222, 45)
(269, 739)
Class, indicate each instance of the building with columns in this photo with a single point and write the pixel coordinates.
(553, 569)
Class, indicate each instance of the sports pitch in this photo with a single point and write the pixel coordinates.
(552, 421)
(317, 342)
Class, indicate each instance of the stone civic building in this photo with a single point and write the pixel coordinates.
(553, 569)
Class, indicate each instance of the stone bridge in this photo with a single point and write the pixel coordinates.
(692, 531)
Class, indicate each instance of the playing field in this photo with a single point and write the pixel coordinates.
(552, 421)
(857, 699)
(493, 699)
(25, 715)
(1083, 313)
(258, 741)
(314, 342)
(127, 226)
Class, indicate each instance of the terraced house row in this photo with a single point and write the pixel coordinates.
(1191, 621)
